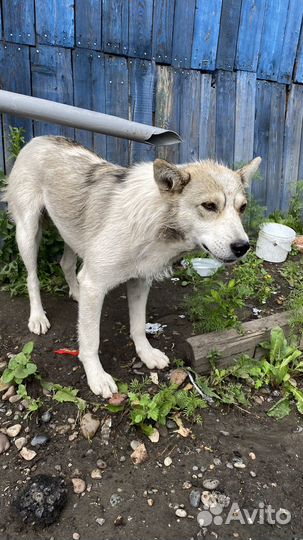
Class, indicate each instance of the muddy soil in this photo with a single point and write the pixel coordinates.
(274, 477)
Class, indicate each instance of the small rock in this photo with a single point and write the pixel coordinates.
(3, 387)
(105, 430)
(224, 433)
(73, 436)
(170, 424)
(195, 498)
(3, 364)
(229, 465)
(76, 536)
(115, 500)
(180, 512)
(217, 461)
(139, 455)
(89, 426)
(155, 436)
(101, 464)
(79, 485)
(177, 376)
(39, 440)
(150, 502)
(252, 455)
(134, 444)
(238, 463)
(20, 442)
(15, 398)
(154, 377)
(119, 521)
(186, 485)
(168, 461)
(96, 474)
(122, 459)
(4, 443)
(46, 417)
(209, 499)
(117, 399)
(210, 484)
(100, 521)
(13, 431)
(27, 454)
(253, 474)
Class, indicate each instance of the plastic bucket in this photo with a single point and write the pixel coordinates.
(205, 267)
(274, 242)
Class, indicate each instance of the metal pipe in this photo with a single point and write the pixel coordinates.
(67, 115)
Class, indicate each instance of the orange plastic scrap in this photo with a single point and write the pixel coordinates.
(71, 352)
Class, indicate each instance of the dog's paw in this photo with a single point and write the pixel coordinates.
(38, 323)
(74, 293)
(154, 359)
(102, 384)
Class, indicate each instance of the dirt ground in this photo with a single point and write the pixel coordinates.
(274, 477)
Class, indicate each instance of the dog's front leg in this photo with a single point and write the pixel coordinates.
(90, 306)
(137, 292)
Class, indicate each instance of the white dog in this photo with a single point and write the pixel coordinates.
(126, 224)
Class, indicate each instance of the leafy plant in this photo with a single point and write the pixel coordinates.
(20, 367)
(16, 141)
(293, 217)
(252, 280)
(67, 394)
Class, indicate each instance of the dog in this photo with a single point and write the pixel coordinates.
(126, 224)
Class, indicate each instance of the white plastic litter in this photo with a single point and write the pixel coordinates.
(206, 267)
(154, 328)
(274, 242)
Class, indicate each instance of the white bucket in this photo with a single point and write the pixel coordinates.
(274, 242)
(205, 267)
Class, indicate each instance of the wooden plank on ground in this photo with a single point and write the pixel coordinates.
(52, 79)
(115, 26)
(272, 39)
(292, 143)
(163, 30)
(207, 128)
(88, 24)
(290, 42)
(225, 116)
(298, 71)
(249, 36)
(261, 138)
(140, 29)
(55, 22)
(182, 38)
(167, 114)
(227, 43)
(189, 115)
(206, 34)
(245, 116)
(230, 344)
(275, 147)
(142, 85)
(19, 21)
(116, 103)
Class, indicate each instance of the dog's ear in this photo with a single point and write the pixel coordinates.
(247, 172)
(169, 177)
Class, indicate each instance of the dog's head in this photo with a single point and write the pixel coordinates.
(210, 201)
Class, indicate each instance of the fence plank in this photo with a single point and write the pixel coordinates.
(225, 116)
(116, 103)
(2, 160)
(300, 170)
(227, 43)
(142, 83)
(55, 22)
(262, 123)
(292, 142)
(88, 24)
(182, 40)
(15, 76)
(163, 30)
(18, 21)
(52, 79)
(275, 147)
(245, 116)
(140, 28)
(115, 26)
(207, 128)
(290, 42)
(89, 93)
(206, 33)
(249, 36)
(298, 72)
(189, 115)
(167, 113)
(272, 39)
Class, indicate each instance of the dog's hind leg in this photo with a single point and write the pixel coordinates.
(68, 264)
(137, 292)
(28, 235)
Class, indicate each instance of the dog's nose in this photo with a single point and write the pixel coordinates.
(239, 248)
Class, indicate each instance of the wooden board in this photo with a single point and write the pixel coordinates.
(52, 79)
(19, 21)
(140, 29)
(189, 115)
(116, 103)
(290, 42)
(249, 36)
(227, 43)
(230, 344)
(298, 71)
(167, 114)
(206, 34)
(207, 127)
(2, 160)
(261, 137)
(55, 22)
(274, 23)
(275, 147)
(182, 40)
(142, 86)
(88, 24)
(115, 26)
(163, 30)
(245, 116)
(225, 116)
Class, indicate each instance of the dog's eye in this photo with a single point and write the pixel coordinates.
(210, 206)
(242, 208)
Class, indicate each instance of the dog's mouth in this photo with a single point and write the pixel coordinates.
(230, 260)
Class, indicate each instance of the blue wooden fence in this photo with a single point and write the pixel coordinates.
(226, 74)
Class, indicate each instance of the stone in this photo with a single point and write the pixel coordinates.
(15, 398)
(134, 444)
(170, 424)
(46, 417)
(73, 436)
(195, 498)
(252, 455)
(100, 521)
(41, 501)
(210, 484)
(20, 443)
(253, 474)
(238, 464)
(96, 474)
(119, 521)
(89, 426)
(186, 485)
(76, 536)
(177, 376)
(101, 464)
(105, 430)
(13, 431)
(4, 443)
(139, 455)
(79, 485)
(224, 433)
(150, 502)
(168, 461)
(155, 436)
(4, 386)
(180, 512)
(27, 454)
(9, 393)
(115, 500)
(39, 440)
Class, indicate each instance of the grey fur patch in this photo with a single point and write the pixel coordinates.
(65, 141)
(171, 234)
(98, 171)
